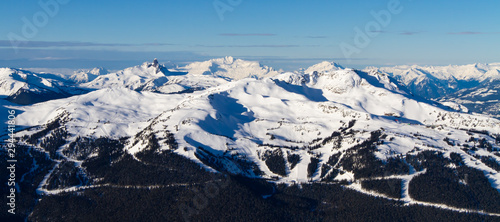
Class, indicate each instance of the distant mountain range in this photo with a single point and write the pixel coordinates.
(407, 134)
(473, 86)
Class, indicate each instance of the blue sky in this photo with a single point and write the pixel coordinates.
(283, 34)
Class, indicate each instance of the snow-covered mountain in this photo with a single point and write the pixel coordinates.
(149, 127)
(87, 75)
(109, 112)
(297, 115)
(25, 87)
(324, 67)
(195, 76)
(12, 80)
(336, 125)
(231, 68)
(473, 72)
(131, 78)
(463, 84)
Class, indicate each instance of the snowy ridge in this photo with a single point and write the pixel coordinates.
(154, 77)
(25, 87)
(12, 80)
(131, 78)
(111, 112)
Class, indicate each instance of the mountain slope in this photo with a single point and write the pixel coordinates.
(110, 112)
(25, 87)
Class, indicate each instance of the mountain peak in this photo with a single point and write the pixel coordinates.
(85, 75)
(324, 66)
(155, 62)
(159, 68)
(151, 64)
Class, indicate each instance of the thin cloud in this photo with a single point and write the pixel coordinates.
(379, 31)
(155, 44)
(269, 46)
(317, 37)
(467, 33)
(110, 58)
(247, 34)
(278, 58)
(49, 58)
(48, 44)
(249, 46)
(409, 33)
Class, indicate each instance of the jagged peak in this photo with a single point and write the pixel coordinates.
(158, 68)
(155, 62)
(151, 64)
